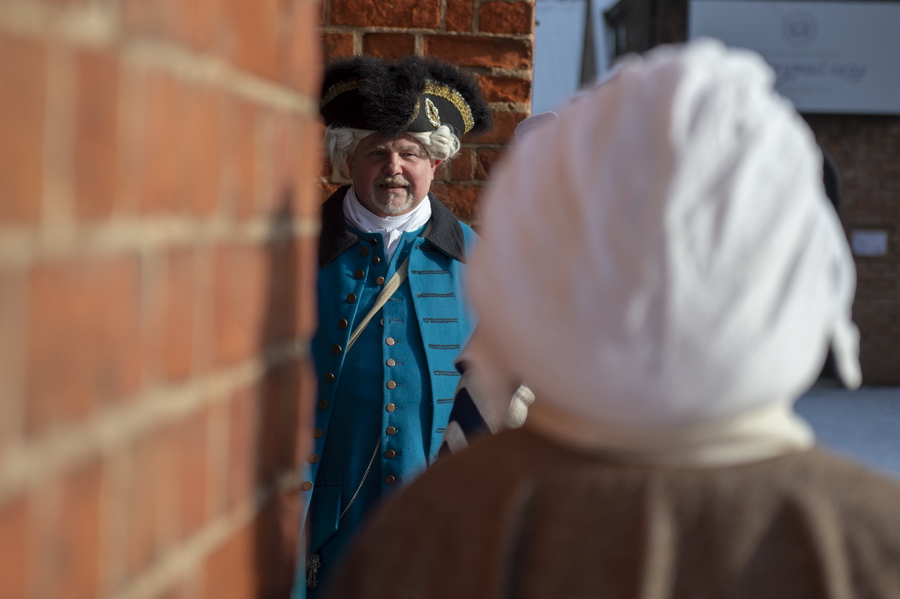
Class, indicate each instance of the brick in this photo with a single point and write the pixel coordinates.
(276, 531)
(506, 17)
(302, 47)
(505, 124)
(95, 156)
(307, 136)
(13, 311)
(243, 447)
(202, 145)
(326, 189)
(505, 89)
(189, 472)
(306, 398)
(410, 14)
(239, 157)
(463, 166)
(486, 159)
(22, 107)
(461, 199)
(84, 337)
(249, 34)
(279, 418)
(280, 324)
(442, 173)
(241, 282)
(79, 534)
(178, 323)
(145, 486)
(162, 176)
(459, 15)
(484, 52)
(205, 329)
(232, 571)
(336, 45)
(189, 21)
(14, 548)
(389, 45)
(278, 154)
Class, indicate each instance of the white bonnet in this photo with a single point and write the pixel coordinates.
(664, 252)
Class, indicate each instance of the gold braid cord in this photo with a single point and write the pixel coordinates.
(454, 97)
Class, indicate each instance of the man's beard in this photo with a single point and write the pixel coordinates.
(389, 206)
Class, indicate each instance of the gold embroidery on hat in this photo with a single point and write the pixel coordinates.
(337, 89)
(454, 97)
(431, 111)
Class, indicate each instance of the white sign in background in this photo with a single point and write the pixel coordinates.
(840, 57)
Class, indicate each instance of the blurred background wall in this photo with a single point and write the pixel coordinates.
(865, 149)
(158, 222)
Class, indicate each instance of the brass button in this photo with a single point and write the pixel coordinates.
(390, 454)
(376, 260)
(307, 486)
(390, 479)
(336, 349)
(390, 341)
(364, 251)
(390, 407)
(351, 298)
(391, 385)
(390, 430)
(379, 281)
(391, 362)
(382, 322)
(318, 433)
(359, 274)
(373, 241)
(323, 405)
(342, 323)
(314, 458)
(329, 378)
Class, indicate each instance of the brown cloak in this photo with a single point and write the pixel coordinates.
(517, 515)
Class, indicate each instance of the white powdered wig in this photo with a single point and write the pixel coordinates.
(340, 142)
(662, 264)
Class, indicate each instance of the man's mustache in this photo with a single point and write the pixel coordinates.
(393, 182)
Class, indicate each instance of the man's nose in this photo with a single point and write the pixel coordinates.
(392, 166)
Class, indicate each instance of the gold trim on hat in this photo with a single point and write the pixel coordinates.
(455, 98)
(432, 113)
(339, 88)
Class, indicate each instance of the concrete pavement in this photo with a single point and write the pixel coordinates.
(862, 424)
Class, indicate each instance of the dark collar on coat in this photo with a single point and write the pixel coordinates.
(446, 233)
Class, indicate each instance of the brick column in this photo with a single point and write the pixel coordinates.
(493, 39)
(866, 149)
(157, 268)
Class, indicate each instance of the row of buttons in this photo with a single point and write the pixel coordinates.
(330, 377)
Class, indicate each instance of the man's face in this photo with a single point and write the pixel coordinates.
(391, 176)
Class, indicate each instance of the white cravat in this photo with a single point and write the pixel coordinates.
(390, 227)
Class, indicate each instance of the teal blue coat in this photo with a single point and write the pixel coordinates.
(381, 407)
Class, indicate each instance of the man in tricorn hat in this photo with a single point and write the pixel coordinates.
(391, 316)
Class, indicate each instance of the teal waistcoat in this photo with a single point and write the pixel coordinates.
(394, 388)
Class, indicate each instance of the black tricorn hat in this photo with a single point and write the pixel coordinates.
(409, 95)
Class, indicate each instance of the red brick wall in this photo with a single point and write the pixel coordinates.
(157, 236)
(867, 152)
(491, 38)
